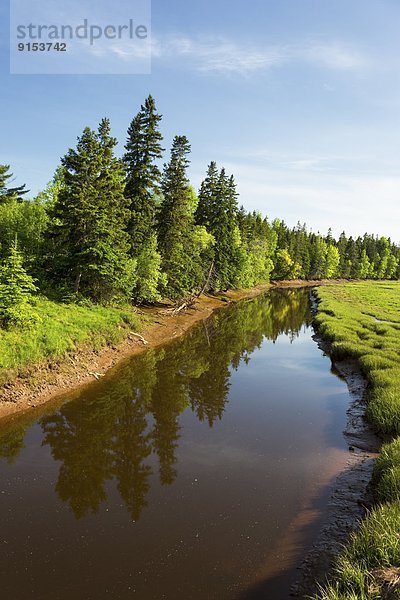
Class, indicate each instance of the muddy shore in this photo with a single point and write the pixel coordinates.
(350, 495)
(42, 383)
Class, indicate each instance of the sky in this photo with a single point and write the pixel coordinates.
(299, 99)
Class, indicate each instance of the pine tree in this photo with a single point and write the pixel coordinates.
(142, 189)
(218, 212)
(182, 244)
(16, 289)
(9, 193)
(88, 240)
(143, 149)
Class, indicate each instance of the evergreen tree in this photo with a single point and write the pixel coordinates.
(218, 212)
(16, 289)
(9, 193)
(208, 197)
(88, 242)
(182, 244)
(143, 149)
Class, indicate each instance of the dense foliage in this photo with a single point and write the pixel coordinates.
(108, 229)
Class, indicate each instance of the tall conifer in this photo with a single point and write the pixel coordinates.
(182, 244)
(218, 212)
(88, 241)
(142, 189)
(143, 149)
(9, 193)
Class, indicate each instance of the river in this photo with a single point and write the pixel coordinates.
(196, 471)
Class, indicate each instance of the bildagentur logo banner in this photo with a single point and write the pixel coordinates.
(80, 37)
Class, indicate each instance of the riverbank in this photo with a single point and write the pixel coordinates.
(360, 327)
(159, 326)
(89, 352)
(350, 496)
(35, 384)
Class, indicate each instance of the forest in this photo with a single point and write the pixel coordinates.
(109, 230)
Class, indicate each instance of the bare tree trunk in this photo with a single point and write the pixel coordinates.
(78, 282)
(206, 281)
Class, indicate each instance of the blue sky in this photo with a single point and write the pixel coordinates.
(299, 99)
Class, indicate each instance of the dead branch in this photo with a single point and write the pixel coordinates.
(141, 338)
(203, 289)
(96, 375)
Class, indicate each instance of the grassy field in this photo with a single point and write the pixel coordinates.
(61, 329)
(362, 320)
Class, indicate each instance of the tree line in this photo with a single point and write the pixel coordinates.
(109, 228)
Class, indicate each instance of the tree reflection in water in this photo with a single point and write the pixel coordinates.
(112, 430)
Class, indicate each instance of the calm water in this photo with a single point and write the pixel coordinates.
(198, 471)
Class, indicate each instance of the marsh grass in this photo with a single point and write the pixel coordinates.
(61, 329)
(362, 320)
(368, 569)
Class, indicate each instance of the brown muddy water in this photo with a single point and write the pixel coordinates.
(197, 471)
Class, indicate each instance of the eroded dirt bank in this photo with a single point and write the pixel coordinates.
(44, 382)
(349, 492)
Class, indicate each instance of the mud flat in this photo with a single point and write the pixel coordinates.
(350, 496)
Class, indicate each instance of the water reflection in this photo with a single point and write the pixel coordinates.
(116, 427)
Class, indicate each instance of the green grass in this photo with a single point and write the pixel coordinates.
(386, 479)
(362, 320)
(370, 563)
(61, 329)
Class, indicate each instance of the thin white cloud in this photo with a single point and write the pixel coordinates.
(217, 55)
(334, 55)
(220, 55)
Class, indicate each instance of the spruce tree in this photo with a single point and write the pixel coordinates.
(9, 193)
(218, 212)
(143, 149)
(16, 289)
(88, 240)
(142, 189)
(208, 197)
(182, 244)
